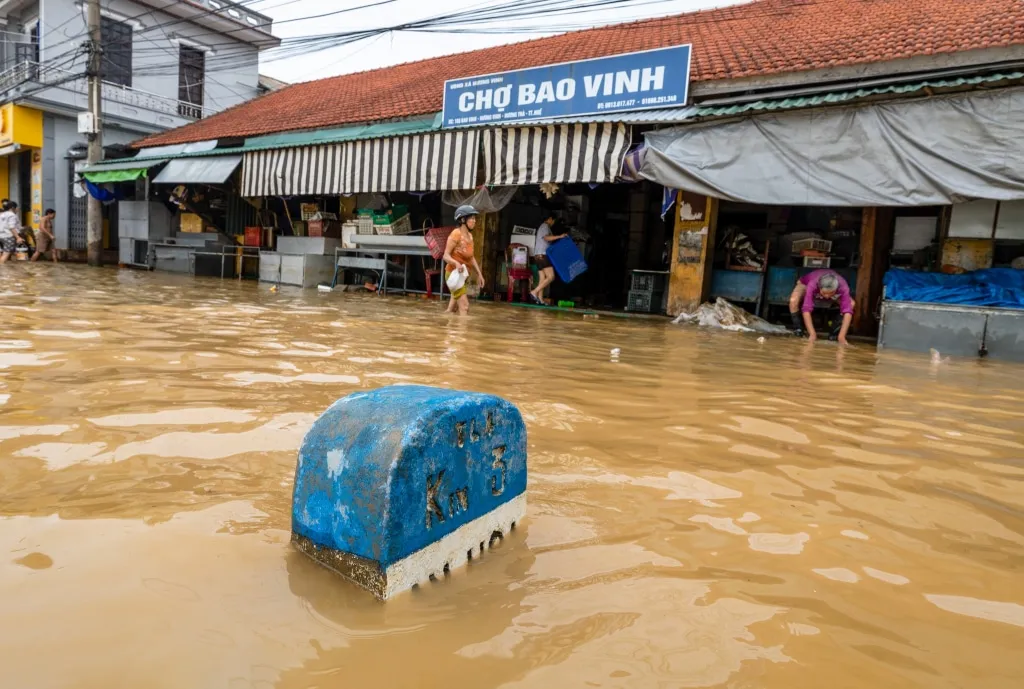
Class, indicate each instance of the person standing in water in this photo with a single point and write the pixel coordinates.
(46, 241)
(459, 255)
(544, 268)
(828, 286)
(10, 231)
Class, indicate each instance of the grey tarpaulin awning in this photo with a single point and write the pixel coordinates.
(212, 170)
(932, 151)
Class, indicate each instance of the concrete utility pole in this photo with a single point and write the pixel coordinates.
(94, 218)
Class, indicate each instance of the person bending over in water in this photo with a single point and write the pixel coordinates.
(459, 255)
(828, 286)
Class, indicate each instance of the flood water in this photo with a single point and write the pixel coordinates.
(704, 510)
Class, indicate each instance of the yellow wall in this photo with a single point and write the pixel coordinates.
(693, 249)
(21, 125)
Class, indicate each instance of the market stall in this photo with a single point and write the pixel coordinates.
(762, 251)
(980, 313)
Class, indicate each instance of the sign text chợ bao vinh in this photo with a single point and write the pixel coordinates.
(606, 84)
(634, 81)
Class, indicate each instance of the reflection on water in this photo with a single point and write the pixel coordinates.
(704, 510)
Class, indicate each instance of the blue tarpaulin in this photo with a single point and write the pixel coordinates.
(999, 287)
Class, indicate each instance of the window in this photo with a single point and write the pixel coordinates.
(26, 54)
(191, 75)
(33, 39)
(116, 63)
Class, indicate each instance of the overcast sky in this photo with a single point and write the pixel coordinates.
(402, 46)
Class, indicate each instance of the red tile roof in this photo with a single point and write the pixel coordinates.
(759, 38)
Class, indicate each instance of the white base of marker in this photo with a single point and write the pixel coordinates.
(454, 549)
(434, 561)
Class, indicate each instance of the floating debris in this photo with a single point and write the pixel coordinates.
(724, 315)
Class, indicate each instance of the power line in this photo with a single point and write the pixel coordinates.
(464, 21)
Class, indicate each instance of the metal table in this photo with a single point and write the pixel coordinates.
(379, 261)
(247, 252)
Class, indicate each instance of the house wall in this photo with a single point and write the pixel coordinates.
(59, 135)
(232, 66)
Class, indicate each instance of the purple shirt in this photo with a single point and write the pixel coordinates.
(811, 282)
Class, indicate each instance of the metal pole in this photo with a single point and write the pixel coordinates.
(94, 218)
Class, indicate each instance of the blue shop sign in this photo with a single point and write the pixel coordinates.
(634, 81)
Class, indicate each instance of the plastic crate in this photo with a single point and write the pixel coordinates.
(365, 224)
(823, 245)
(401, 226)
(391, 215)
(817, 262)
(648, 282)
(437, 240)
(645, 302)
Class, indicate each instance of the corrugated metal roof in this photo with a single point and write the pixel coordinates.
(124, 164)
(418, 125)
(837, 97)
(422, 125)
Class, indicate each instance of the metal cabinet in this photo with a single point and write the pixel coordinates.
(300, 270)
(952, 329)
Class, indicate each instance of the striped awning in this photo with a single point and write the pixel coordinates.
(564, 153)
(438, 161)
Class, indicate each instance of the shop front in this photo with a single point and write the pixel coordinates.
(21, 160)
(175, 209)
(861, 189)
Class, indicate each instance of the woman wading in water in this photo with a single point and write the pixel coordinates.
(459, 255)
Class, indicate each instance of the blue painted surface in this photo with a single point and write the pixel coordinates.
(781, 282)
(618, 83)
(736, 285)
(566, 259)
(369, 463)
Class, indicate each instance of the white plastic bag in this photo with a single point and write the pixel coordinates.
(457, 278)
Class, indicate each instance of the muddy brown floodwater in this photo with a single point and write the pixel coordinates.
(705, 511)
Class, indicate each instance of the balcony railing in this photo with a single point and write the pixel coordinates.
(239, 12)
(33, 73)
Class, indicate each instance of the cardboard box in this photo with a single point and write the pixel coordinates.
(190, 222)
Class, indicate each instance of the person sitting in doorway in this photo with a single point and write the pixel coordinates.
(46, 242)
(826, 285)
(546, 272)
(10, 231)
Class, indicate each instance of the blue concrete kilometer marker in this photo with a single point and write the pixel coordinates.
(402, 484)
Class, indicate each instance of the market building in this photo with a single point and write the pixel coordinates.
(861, 136)
(165, 65)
